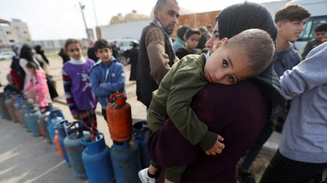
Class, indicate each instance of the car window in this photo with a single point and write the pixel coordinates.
(308, 32)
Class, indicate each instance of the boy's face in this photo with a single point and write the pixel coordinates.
(320, 35)
(290, 31)
(227, 66)
(74, 50)
(192, 42)
(213, 41)
(104, 54)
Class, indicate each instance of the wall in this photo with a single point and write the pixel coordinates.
(124, 30)
(22, 31)
(196, 20)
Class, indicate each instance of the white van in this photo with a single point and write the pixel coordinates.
(318, 10)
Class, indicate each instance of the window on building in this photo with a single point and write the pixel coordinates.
(27, 40)
(8, 32)
(25, 32)
(12, 41)
(0, 41)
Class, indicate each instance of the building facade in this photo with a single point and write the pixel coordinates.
(14, 32)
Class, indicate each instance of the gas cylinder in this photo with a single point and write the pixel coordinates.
(125, 157)
(10, 108)
(19, 99)
(96, 160)
(43, 124)
(4, 109)
(31, 118)
(57, 143)
(55, 117)
(73, 147)
(59, 139)
(24, 110)
(119, 118)
(140, 134)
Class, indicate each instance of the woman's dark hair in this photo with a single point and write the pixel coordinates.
(242, 16)
(32, 65)
(41, 52)
(181, 31)
(190, 32)
(71, 41)
(26, 53)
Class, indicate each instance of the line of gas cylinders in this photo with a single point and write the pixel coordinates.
(88, 158)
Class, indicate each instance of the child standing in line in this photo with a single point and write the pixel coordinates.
(320, 33)
(39, 83)
(107, 76)
(77, 85)
(191, 37)
(243, 56)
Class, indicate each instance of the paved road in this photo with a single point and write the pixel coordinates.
(28, 159)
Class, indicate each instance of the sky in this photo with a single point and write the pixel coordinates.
(62, 19)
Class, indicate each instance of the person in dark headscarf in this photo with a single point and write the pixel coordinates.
(233, 122)
(64, 55)
(41, 58)
(133, 55)
(92, 52)
(26, 56)
(17, 73)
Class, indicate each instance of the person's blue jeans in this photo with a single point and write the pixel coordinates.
(255, 149)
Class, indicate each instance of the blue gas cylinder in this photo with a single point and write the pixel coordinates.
(11, 110)
(60, 127)
(20, 99)
(32, 119)
(140, 134)
(73, 147)
(24, 110)
(55, 117)
(43, 120)
(96, 160)
(126, 162)
(4, 109)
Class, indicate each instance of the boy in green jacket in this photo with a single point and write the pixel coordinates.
(243, 56)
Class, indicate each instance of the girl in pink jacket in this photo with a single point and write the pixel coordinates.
(39, 83)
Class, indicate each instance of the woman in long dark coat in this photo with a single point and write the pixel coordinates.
(133, 55)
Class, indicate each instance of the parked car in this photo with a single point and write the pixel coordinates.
(6, 55)
(125, 46)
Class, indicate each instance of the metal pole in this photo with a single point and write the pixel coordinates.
(85, 23)
(94, 10)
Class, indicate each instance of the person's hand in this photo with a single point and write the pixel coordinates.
(76, 116)
(23, 91)
(100, 85)
(217, 147)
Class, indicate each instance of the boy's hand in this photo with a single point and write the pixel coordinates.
(100, 85)
(76, 116)
(217, 147)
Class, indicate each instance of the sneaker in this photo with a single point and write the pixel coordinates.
(143, 175)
